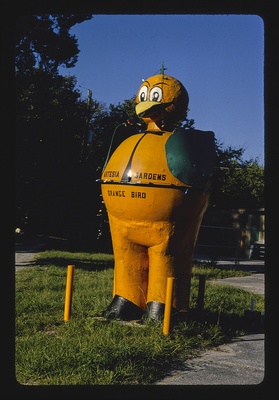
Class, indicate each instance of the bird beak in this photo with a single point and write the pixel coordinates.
(148, 107)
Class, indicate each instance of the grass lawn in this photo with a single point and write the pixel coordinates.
(89, 350)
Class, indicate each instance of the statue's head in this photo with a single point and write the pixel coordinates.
(162, 99)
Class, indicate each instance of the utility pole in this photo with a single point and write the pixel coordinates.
(89, 102)
(86, 134)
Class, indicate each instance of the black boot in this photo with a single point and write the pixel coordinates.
(154, 311)
(121, 308)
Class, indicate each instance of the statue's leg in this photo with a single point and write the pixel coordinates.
(186, 233)
(169, 260)
(173, 258)
(130, 275)
(161, 266)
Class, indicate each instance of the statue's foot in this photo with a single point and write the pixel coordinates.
(155, 312)
(121, 308)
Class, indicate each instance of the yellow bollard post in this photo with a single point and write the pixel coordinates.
(69, 292)
(168, 305)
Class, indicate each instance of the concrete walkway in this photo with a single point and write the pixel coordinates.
(254, 283)
(240, 362)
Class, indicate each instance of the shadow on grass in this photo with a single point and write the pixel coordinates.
(231, 324)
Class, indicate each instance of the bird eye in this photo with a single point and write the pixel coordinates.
(143, 94)
(156, 94)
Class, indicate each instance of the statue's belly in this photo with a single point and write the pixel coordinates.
(137, 183)
(134, 202)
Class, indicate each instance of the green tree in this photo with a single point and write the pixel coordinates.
(49, 125)
(44, 42)
(51, 121)
(237, 183)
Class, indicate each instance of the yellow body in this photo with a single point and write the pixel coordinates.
(139, 198)
(154, 217)
(154, 221)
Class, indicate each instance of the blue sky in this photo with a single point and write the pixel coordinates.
(218, 58)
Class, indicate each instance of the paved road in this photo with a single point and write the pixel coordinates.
(25, 253)
(24, 259)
